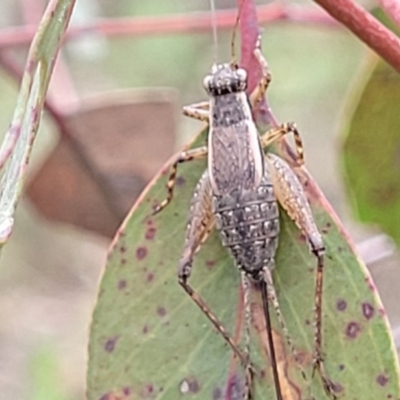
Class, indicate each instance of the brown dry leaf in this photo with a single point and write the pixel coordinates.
(115, 144)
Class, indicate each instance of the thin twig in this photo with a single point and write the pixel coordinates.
(172, 24)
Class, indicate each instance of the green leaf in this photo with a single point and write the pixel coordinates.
(148, 339)
(17, 144)
(371, 151)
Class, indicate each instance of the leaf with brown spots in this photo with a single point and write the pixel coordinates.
(163, 339)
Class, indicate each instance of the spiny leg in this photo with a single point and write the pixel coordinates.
(201, 221)
(247, 318)
(273, 135)
(291, 196)
(318, 358)
(264, 294)
(258, 94)
(188, 155)
(198, 111)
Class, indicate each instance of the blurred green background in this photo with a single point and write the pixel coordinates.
(49, 271)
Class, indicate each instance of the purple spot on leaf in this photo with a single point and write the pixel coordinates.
(141, 253)
(147, 390)
(217, 393)
(109, 346)
(161, 311)
(122, 284)
(342, 367)
(210, 264)
(382, 380)
(150, 233)
(353, 329)
(150, 388)
(337, 387)
(368, 310)
(123, 249)
(194, 386)
(145, 329)
(126, 390)
(123, 260)
(180, 181)
(341, 305)
(149, 277)
(302, 237)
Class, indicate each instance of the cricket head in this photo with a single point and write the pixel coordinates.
(224, 79)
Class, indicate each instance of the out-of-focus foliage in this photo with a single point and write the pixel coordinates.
(19, 139)
(371, 147)
(371, 151)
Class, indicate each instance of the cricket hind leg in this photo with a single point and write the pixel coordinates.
(247, 311)
(293, 199)
(188, 155)
(274, 365)
(201, 222)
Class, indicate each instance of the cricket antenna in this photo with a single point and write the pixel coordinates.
(271, 346)
(235, 28)
(214, 27)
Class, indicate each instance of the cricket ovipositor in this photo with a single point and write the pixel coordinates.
(238, 194)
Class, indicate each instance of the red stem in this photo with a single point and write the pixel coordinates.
(193, 22)
(365, 27)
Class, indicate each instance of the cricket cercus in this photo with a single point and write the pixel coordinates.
(238, 194)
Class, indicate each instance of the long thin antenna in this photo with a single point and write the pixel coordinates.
(214, 27)
(271, 346)
(235, 28)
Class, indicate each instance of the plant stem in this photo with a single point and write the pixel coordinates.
(367, 28)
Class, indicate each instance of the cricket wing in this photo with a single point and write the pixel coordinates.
(235, 158)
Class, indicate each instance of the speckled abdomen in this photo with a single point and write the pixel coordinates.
(248, 223)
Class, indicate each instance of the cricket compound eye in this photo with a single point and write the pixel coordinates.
(225, 80)
(242, 79)
(208, 83)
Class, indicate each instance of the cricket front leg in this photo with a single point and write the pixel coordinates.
(188, 155)
(198, 111)
(292, 198)
(200, 224)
